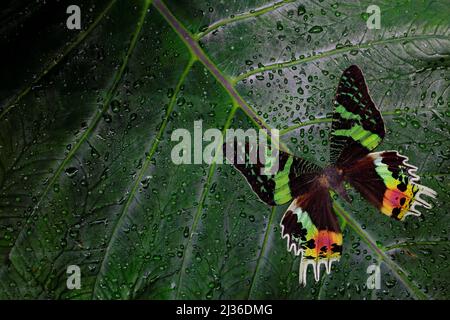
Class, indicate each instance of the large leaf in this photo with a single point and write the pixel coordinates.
(86, 176)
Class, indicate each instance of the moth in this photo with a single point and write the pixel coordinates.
(385, 179)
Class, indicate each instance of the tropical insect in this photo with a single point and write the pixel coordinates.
(383, 178)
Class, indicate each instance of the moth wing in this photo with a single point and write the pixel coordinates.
(390, 183)
(357, 125)
(311, 229)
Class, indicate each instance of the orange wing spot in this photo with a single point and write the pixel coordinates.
(396, 203)
(328, 244)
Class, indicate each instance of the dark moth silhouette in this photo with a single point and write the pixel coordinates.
(384, 178)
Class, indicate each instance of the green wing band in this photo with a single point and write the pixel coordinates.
(366, 138)
(282, 189)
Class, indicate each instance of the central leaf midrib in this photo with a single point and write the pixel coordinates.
(199, 54)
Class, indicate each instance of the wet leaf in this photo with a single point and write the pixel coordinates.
(86, 176)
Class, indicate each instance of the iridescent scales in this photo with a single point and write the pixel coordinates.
(282, 191)
(402, 194)
(315, 247)
(385, 179)
(357, 133)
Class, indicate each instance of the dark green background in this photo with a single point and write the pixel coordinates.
(85, 122)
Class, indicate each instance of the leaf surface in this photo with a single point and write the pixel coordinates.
(86, 176)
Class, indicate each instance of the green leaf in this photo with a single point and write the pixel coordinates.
(86, 176)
